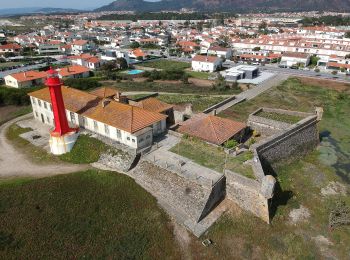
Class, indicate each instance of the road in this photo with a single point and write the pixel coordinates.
(15, 164)
(306, 73)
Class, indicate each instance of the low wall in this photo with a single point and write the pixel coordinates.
(246, 193)
(296, 141)
(211, 110)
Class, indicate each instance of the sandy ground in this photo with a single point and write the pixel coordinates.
(15, 164)
(332, 84)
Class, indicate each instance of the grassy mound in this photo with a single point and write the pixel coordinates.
(92, 214)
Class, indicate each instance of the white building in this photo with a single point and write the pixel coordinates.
(220, 52)
(132, 126)
(206, 63)
(25, 79)
(290, 59)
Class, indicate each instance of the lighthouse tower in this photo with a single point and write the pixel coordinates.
(62, 138)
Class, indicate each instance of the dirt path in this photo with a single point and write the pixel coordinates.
(15, 164)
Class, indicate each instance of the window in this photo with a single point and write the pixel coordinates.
(48, 119)
(83, 121)
(128, 138)
(141, 140)
(95, 126)
(45, 106)
(72, 117)
(119, 133)
(39, 101)
(36, 114)
(148, 137)
(133, 140)
(106, 130)
(50, 107)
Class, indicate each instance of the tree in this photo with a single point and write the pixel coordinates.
(122, 63)
(314, 60)
(134, 45)
(317, 70)
(334, 72)
(256, 49)
(347, 34)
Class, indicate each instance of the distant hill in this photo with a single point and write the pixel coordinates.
(229, 5)
(32, 10)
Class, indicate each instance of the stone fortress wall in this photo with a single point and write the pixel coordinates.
(283, 142)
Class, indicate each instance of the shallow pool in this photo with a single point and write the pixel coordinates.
(135, 72)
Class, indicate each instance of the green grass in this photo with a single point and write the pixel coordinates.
(34, 153)
(166, 64)
(92, 214)
(198, 74)
(213, 157)
(290, 119)
(86, 150)
(19, 111)
(199, 102)
(9, 64)
(168, 87)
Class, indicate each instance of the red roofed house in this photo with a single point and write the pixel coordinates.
(81, 46)
(206, 63)
(100, 113)
(86, 60)
(10, 48)
(137, 54)
(25, 79)
(213, 129)
(74, 71)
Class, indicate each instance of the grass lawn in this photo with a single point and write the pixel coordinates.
(168, 87)
(92, 214)
(86, 150)
(213, 157)
(9, 64)
(198, 74)
(166, 64)
(199, 102)
(8, 113)
(291, 119)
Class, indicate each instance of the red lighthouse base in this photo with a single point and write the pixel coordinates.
(61, 144)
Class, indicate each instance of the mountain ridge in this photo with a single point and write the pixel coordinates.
(228, 5)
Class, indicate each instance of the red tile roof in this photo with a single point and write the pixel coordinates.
(154, 105)
(212, 129)
(72, 70)
(121, 116)
(205, 58)
(29, 75)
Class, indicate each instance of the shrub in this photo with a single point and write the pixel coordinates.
(230, 144)
(13, 96)
(83, 84)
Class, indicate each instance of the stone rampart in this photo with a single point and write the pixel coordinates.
(247, 194)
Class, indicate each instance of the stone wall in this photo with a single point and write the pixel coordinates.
(296, 141)
(212, 109)
(217, 194)
(247, 194)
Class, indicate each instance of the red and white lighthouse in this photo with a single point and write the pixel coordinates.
(62, 138)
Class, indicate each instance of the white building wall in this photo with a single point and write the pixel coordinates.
(43, 112)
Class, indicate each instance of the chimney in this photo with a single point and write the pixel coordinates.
(68, 69)
(105, 102)
(25, 74)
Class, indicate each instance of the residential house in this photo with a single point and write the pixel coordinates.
(213, 129)
(206, 63)
(290, 59)
(129, 125)
(220, 52)
(25, 79)
(75, 71)
(10, 48)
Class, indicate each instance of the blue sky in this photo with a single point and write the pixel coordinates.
(82, 4)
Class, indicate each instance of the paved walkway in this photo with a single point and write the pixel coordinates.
(15, 164)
